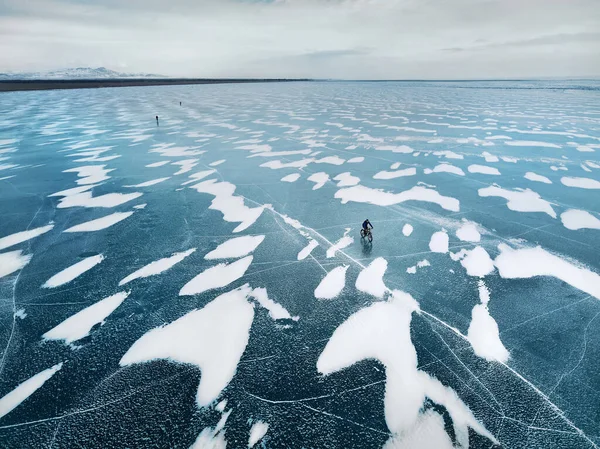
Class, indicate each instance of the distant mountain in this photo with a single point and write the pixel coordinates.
(87, 73)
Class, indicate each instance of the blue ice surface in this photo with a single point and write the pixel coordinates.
(547, 394)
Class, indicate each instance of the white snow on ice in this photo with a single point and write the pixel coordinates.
(236, 247)
(346, 179)
(582, 183)
(531, 262)
(23, 236)
(319, 179)
(25, 389)
(538, 178)
(79, 325)
(332, 284)
(13, 261)
(212, 338)
(157, 267)
(305, 252)
(520, 200)
(382, 332)
(370, 279)
(291, 178)
(407, 230)
(363, 194)
(483, 333)
(216, 277)
(276, 310)
(468, 232)
(99, 223)
(579, 219)
(477, 262)
(395, 174)
(232, 207)
(342, 243)
(68, 274)
(149, 183)
(257, 432)
(439, 242)
(483, 169)
(530, 143)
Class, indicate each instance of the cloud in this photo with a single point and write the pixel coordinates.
(548, 40)
(305, 38)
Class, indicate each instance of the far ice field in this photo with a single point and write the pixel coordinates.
(203, 283)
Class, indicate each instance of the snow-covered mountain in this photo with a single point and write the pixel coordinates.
(76, 73)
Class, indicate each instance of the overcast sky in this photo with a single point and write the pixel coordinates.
(350, 39)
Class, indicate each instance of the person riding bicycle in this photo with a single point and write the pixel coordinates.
(366, 225)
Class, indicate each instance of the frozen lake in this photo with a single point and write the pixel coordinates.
(202, 283)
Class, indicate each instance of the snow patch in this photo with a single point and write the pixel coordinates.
(395, 174)
(468, 232)
(362, 194)
(291, 178)
(407, 230)
(232, 207)
(149, 183)
(520, 200)
(257, 432)
(346, 179)
(157, 267)
(13, 261)
(100, 223)
(332, 284)
(216, 277)
(483, 169)
(439, 242)
(370, 279)
(579, 219)
(68, 274)
(477, 262)
(483, 333)
(79, 325)
(340, 244)
(382, 332)
(319, 179)
(531, 262)
(582, 183)
(305, 252)
(25, 389)
(538, 178)
(212, 338)
(23, 236)
(236, 247)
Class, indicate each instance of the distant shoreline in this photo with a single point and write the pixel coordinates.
(23, 85)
